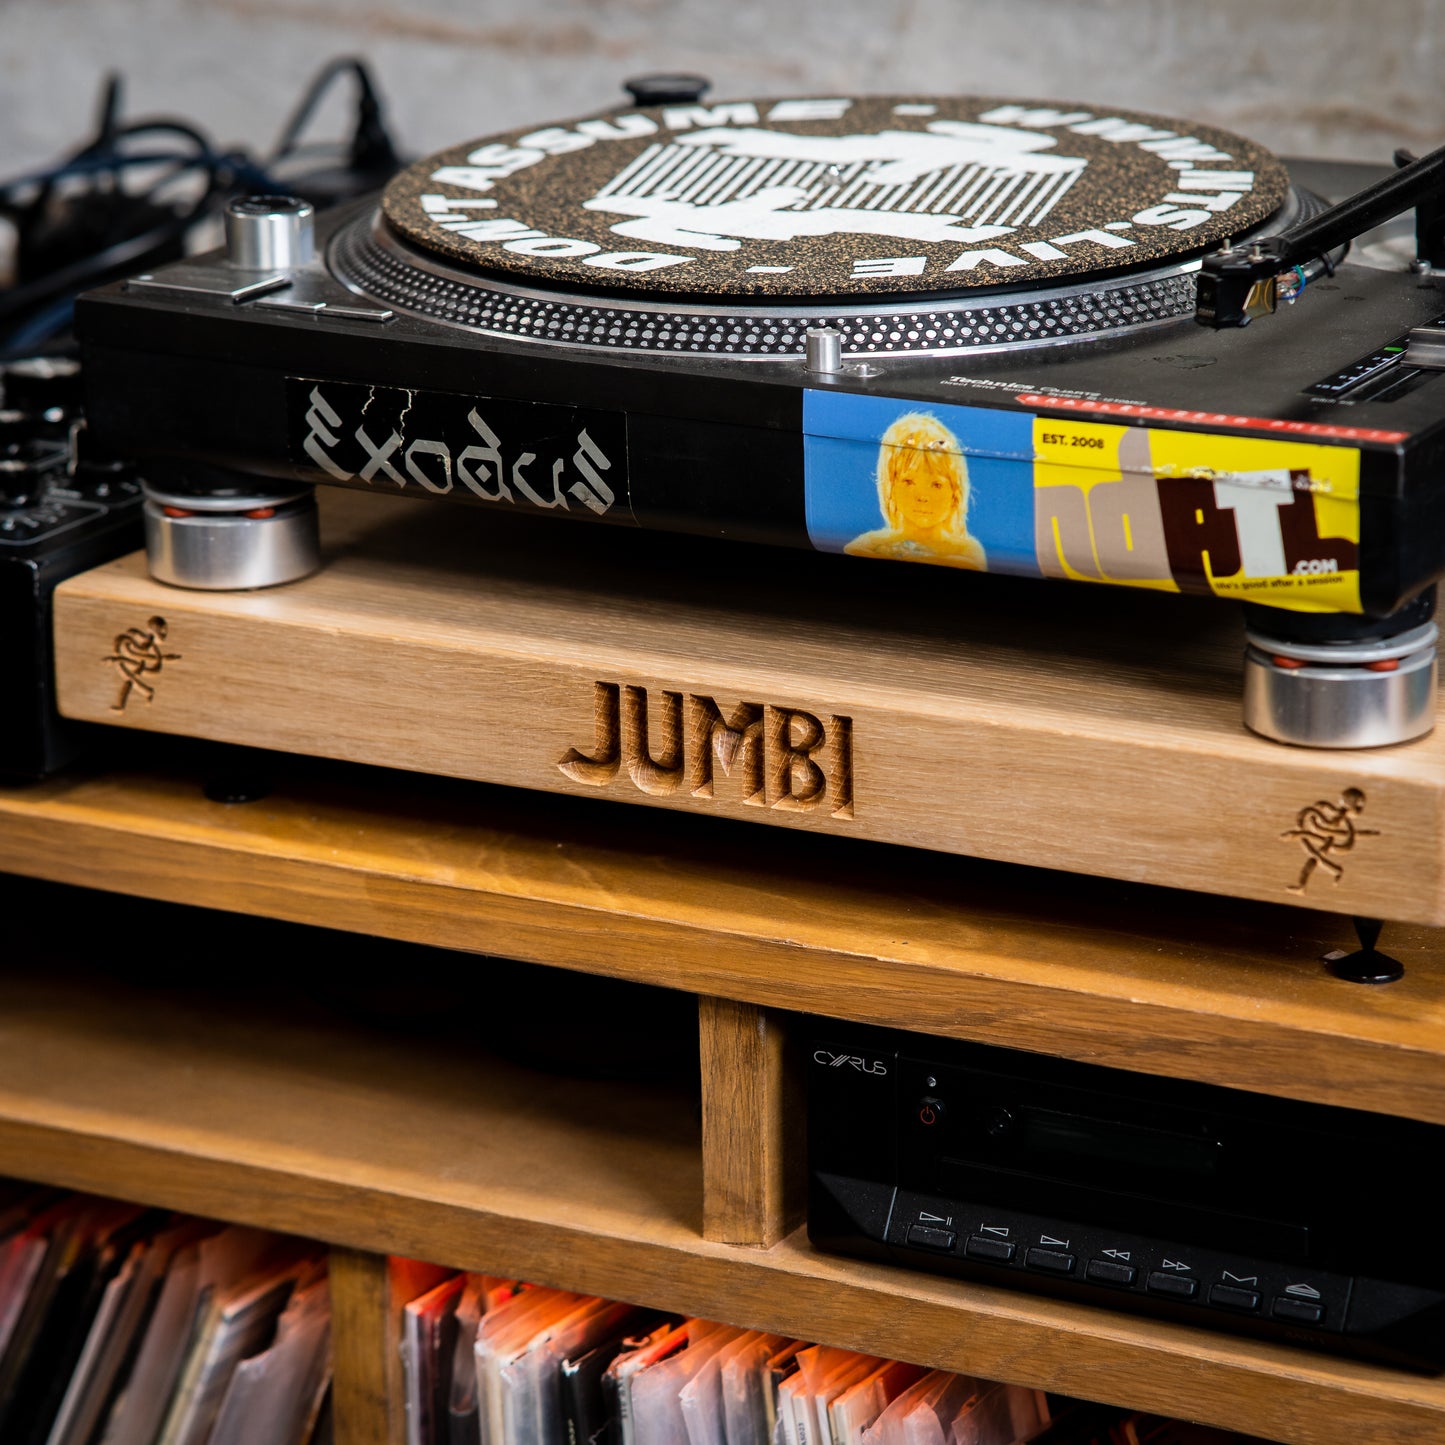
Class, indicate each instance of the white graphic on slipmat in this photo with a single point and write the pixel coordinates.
(956, 181)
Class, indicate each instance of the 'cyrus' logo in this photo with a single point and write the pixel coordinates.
(771, 757)
(852, 1061)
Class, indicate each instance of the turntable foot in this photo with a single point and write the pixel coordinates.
(1334, 680)
(1366, 964)
(240, 779)
(224, 532)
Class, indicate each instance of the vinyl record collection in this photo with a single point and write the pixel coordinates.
(490, 1361)
(128, 1326)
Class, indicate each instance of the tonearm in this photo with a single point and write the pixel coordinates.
(1238, 283)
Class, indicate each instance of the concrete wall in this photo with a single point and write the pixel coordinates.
(1336, 77)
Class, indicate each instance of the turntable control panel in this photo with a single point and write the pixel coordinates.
(64, 507)
(1386, 373)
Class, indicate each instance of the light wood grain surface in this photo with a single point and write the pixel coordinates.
(1055, 725)
(753, 1124)
(437, 1152)
(1136, 977)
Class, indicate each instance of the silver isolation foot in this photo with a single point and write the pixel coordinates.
(1363, 693)
(230, 541)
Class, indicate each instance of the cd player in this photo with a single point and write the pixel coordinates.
(1295, 1221)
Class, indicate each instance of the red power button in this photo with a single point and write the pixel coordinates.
(930, 1112)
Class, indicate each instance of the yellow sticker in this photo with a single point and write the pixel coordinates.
(1267, 521)
(1096, 505)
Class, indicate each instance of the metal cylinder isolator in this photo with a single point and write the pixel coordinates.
(824, 350)
(269, 233)
(1363, 693)
(232, 541)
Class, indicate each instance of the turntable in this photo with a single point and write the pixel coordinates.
(787, 321)
(960, 332)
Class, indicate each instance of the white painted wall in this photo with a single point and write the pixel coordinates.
(1336, 77)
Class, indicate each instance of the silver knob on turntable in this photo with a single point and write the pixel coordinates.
(824, 350)
(269, 233)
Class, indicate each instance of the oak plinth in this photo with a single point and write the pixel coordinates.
(1090, 729)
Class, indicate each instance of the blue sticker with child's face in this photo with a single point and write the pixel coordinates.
(950, 485)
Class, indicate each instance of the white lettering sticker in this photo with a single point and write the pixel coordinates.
(789, 110)
(891, 266)
(634, 261)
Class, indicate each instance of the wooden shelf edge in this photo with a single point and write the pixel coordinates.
(1310, 1038)
(1264, 1389)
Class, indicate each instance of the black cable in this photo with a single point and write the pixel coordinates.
(78, 225)
(371, 150)
(81, 275)
(169, 126)
(109, 118)
(315, 93)
(98, 166)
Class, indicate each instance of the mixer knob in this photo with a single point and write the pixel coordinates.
(41, 385)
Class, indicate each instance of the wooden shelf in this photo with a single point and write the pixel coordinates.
(389, 1142)
(1136, 977)
(324, 1128)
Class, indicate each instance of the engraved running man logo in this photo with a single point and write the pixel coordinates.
(138, 656)
(1325, 829)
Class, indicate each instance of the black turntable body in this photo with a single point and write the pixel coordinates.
(711, 443)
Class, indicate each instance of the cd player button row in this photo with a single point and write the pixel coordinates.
(1053, 1260)
(981, 1246)
(1110, 1271)
(926, 1237)
(1179, 1285)
(1234, 1298)
(1298, 1310)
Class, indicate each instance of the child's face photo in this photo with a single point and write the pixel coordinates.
(924, 500)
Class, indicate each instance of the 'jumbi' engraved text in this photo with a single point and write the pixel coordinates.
(674, 743)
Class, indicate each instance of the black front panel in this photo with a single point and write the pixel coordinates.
(717, 480)
(1195, 1202)
(714, 444)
